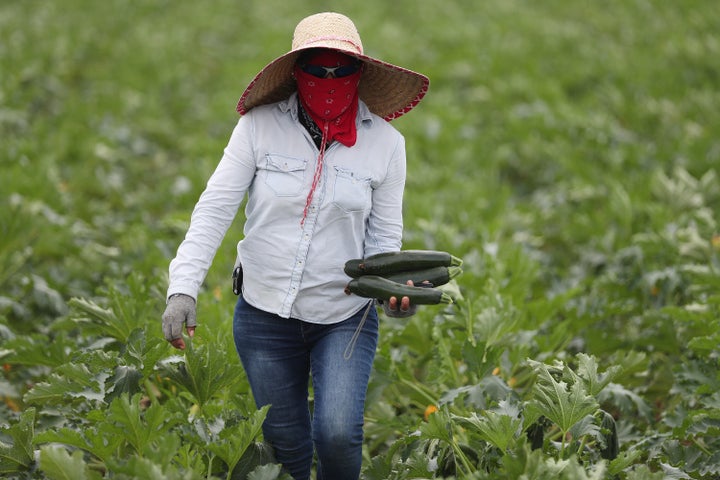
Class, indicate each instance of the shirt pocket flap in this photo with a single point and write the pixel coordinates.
(282, 163)
(284, 175)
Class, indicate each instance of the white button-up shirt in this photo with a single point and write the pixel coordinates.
(293, 269)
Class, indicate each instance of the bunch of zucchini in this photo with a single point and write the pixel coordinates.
(385, 275)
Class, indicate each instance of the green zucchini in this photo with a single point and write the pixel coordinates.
(435, 275)
(374, 286)
(352, 267)
(403, 260)
(608, 429)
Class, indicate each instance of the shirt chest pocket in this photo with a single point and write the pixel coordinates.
(351, 190)
(284, 175)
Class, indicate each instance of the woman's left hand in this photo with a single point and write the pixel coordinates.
(403, 307)
(404, 303)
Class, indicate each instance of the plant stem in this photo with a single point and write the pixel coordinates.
(150, 389)
(582, 445)
(463, 459)
(701, 446)
(210, 462)
(469, 323)
(430, 399)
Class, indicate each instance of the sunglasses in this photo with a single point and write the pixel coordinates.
(330, 72)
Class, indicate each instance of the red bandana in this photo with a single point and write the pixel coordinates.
(333, 101)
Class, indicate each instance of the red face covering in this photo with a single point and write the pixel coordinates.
(331, 101)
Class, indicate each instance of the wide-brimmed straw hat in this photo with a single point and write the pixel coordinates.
(388, 90)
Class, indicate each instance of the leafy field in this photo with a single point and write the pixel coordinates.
(567, 151)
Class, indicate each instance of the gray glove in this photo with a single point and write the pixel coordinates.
(180, 311)
(398, 313)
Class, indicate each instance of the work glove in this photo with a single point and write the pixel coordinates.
(401, 307)
(396, 309)
(180, 311)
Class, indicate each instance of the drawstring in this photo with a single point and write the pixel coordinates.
(318, 171)
(351, 346)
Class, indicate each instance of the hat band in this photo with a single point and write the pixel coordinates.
(357, 47)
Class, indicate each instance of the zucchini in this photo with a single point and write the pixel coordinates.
(435, 275)
(608, 429)
(374, 286)
(403, 260)
(352, 267)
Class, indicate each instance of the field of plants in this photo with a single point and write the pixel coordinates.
(568, 151)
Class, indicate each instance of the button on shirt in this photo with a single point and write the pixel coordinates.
(290, 268)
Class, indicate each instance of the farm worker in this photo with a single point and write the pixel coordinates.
(324, 172)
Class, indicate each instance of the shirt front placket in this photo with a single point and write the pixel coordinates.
(307, 228)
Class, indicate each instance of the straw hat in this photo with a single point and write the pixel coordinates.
(388, 90)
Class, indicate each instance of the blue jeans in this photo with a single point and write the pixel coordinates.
(279, 356)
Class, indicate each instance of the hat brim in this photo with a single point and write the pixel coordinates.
(388, 90)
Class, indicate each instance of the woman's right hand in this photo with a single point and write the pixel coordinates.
(180, 311)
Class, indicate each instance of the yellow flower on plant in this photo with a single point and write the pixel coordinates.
(217, 293)
(716, 241)
(429, 411)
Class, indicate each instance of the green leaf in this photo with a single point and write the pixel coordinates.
(202, 372)
(143, 353)
(588, 371)
(139, 467)
(18, 457)
(101, 444)
(125, 381)
(379, 468)
(125, 416)
(137, 361)
(481, 358)
(70, 381)
(624, 460)
(232, 442)
(495, 320)
(139, 427)
(131, 303)
(625, 399)
(57, 464)
(258, 453)
(564, 404)
(586, 427)
(104, 319)
(674, 473)
(268, 472)
(643, 472)
(18, 230)
(490, 390)
(500, 427)
(39, 349)
(438, 426)
(534, 464)
(704, 345)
